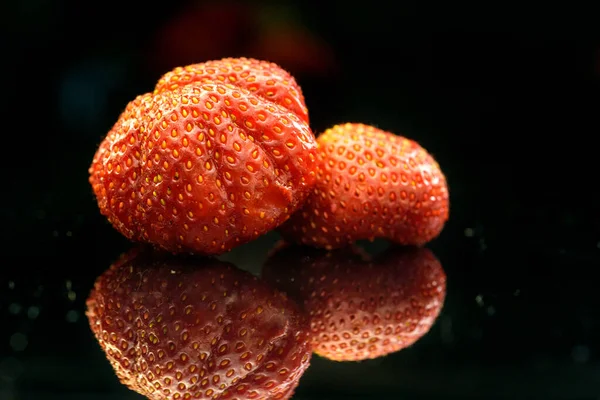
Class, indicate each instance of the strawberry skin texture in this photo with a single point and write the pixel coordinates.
(265, 79)
(206, 166)
(176, 328)
(358, 308)
(371, 184)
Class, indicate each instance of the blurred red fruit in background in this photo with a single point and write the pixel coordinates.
(201, 31)
(211, 30)
(295, 48)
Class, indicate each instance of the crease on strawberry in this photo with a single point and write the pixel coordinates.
(241, 74)
(291, 380)
(247, 375)
(234, 298)
(283, 181)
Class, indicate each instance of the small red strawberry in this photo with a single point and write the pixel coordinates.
(179, 328)
(361, 309)
(220, 154)
(371, 183)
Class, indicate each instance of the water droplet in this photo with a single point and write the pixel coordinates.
(10, 369)
(72, 316)
(33, 312)
(11, 284)
(68, 284)
(469, 232)
(14, 308)
(580, 354)
(479, 300)
(482, 244)
(18, 341)
(491, 310)
(69, 234)
(72, 295)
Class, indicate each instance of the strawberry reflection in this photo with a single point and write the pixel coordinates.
(361, 308)
(182, 327)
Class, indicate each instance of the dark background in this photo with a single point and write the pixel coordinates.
(506, 98)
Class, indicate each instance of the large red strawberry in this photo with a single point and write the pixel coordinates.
(219, 154)
(361, 309)
(179, 328)
(371, 183)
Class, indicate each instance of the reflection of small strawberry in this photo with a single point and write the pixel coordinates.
(361, 309)
(176, 328)
(371, 183)
(208, 165)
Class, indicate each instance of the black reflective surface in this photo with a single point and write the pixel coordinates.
(505, 100)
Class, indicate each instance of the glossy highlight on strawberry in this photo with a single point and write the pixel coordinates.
(361, 308)
(218, 155)
(371, 184)
(185, 328)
